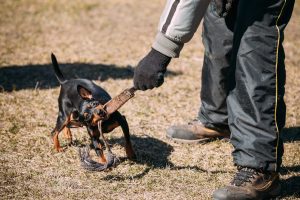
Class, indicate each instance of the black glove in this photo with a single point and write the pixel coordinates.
(150, 71)
(223, 7)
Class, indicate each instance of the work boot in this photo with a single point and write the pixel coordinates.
(195, 132)
(250, 184)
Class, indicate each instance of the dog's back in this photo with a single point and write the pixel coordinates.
(69, 88)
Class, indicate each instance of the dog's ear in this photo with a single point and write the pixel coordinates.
(84, 93)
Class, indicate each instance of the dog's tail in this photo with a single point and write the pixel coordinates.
(57, 71)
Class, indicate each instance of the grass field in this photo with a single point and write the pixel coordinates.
(103, 41)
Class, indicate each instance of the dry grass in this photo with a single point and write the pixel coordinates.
(101, 40)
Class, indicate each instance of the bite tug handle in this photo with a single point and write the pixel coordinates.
(115, 103)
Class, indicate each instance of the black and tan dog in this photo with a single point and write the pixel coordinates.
(80, 104)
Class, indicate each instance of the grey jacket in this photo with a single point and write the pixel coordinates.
(178, 23)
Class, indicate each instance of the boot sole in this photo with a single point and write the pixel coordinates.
(274, 194)
(198, 141)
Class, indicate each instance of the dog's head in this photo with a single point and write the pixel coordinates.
(91, 110)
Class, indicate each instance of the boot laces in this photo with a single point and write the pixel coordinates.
(244, 175)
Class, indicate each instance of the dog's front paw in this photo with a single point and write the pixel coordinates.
(59, 149)
(130, 154)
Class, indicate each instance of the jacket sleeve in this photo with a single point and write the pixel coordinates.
(178, 23)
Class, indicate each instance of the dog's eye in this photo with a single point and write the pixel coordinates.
(94, 104)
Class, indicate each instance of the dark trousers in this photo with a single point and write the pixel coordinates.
(243, 79)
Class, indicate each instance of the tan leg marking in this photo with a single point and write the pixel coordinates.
(102, 158)
(129, 151)
(68, 134)
(55, 137)
(56, 143)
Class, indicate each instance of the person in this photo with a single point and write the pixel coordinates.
(243, 78)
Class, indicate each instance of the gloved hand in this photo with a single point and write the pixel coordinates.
(150, 71)
(223, 7)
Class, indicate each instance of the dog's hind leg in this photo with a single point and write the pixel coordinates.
(61, 123)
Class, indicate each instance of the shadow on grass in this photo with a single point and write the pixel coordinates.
(154, 154)
(291, 134)
(42, 76)
(291, 187)
(287, 169)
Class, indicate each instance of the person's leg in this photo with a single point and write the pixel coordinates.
(217, 40)
(212, 118)
(256, 108)
(255, 105)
